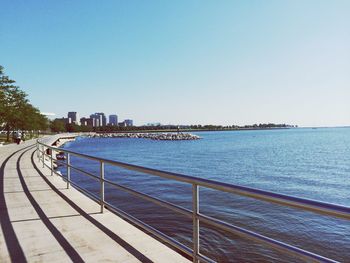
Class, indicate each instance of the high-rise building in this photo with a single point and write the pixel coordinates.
(99, 119)
(128, 122)
(95, 120)
(86, 122)
(74, 116)
(103, 119)
(113, 120)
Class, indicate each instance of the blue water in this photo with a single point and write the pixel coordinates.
(310, 163)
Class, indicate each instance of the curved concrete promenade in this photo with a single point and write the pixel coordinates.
(42, 221)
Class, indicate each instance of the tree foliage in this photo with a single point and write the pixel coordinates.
(16, 113)
(57, 126)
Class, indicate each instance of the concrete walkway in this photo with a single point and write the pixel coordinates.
(42, 221)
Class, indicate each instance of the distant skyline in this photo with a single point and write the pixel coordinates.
(183, 62)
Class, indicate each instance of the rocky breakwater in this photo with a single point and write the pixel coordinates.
(153, 136)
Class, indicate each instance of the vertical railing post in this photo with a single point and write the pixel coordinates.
(43, 153)
(68, 170)
(195, 209)
(37, 151)
(51, 161)
(102, 185)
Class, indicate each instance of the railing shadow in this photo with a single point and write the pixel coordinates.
(13, 246)
(68, 248)
(133, 251)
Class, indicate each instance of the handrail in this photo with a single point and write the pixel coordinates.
(306, 204)
(152, 199)
(286, 200)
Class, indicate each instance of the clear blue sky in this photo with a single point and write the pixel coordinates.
(183, 62)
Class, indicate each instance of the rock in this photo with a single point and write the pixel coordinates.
(152, 136)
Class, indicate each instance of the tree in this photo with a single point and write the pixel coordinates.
(72, 127)
(6, 84)
(32, 119)
(15, 110)
(57, 126)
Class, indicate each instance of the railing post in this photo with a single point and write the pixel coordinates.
(43, 153)
(68, 170)
(51, 162)
(37, 151)
(195, 220)
(102, 185)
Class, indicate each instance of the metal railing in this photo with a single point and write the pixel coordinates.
(194, 214)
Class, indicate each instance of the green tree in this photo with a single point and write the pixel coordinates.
(6, 84)
(32, 119)
(72, 127)
(57, 126)
(15, 110)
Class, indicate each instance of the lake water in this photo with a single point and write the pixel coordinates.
(309, 163)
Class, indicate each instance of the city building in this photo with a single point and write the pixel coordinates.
(102, 117)
(113, 120)
(128, 122)
(87, 122)
(99, 119)
(74, 117)
(153, 124)
(95, 120)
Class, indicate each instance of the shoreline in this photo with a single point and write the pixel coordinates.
(164, 136)
(58, 140)
(61, 141)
